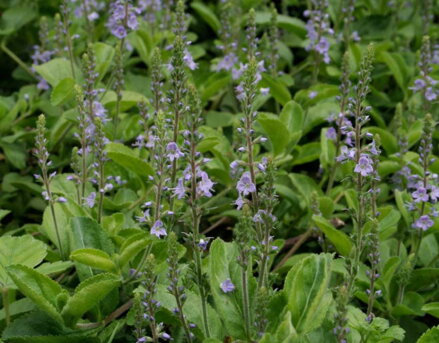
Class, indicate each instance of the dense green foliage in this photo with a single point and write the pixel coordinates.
(219, 171)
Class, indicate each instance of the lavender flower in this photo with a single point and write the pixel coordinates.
(318, 29)
(158, 229)
(173, 152)
(205, 185)
(245, 185)
(227, 286)
(42, 155)
(123, 17)
(180, 190)
(426, 84)
(364, 165)
(420, 195)
(424, 223)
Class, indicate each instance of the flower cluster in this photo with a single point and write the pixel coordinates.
(123, 17)
(425, 84)
(88, 8)
(148, 306)
(318, 29)
(228, 36)
(424, 189)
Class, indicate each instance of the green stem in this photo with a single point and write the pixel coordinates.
(17, 60)
(5, 297)
(245, 299)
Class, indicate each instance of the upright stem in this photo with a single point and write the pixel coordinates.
(245, 299)
(52, 210)
(69, 45)
(101, 190)
(196, 234)
(5, 297)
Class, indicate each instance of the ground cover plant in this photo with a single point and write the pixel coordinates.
(219, 171)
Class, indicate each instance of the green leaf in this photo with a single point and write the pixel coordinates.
(387, 221)
(306, 286)
(104, 54)
(55, 71)
(129, 99)
(131, 247)
(87, 295)
(430, 336)
(18, 307)
(222, 266)
(307, 153)
(216, 83)
(54, 268)
(341, 241)
(63, 213)
(207, 14)
(432, 308)
(127, 158)
(292, 116)
(293, 25)
(94, 258)
(275, 131)
(87, 233)
(13, 18)
(63, 92)
(277, 89)
(37, 327)
(401, 198)
(24, 250)
(327, 150)
(42, 290)
(398, 67)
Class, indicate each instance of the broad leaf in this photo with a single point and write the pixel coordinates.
(341, 241)
(42, 290)
(87, 295)
(128, 159)
(275, 131)
(94, 258)
(306, 287)
(24, 250)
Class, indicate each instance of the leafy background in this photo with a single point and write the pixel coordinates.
(53, 300)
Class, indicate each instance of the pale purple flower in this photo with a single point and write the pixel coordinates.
(265, 91)
(424, 223)
(434, 193)
(346, 154)
(430, 94)
(420, 195)
(174, 152)
(227, 286)
(239, 202)
(180, 190)
(116, 22)
(61, 200)
(119, 31)
(263, 215)
(189, 60)
(245, 185)
(144, 217)
(91, 199)
(227, 62)
(373, 149)
(205, 185)
(419, 84)
(364, 166)
(234, 165)
(331, 134)
(312, 94)
(158, 229)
